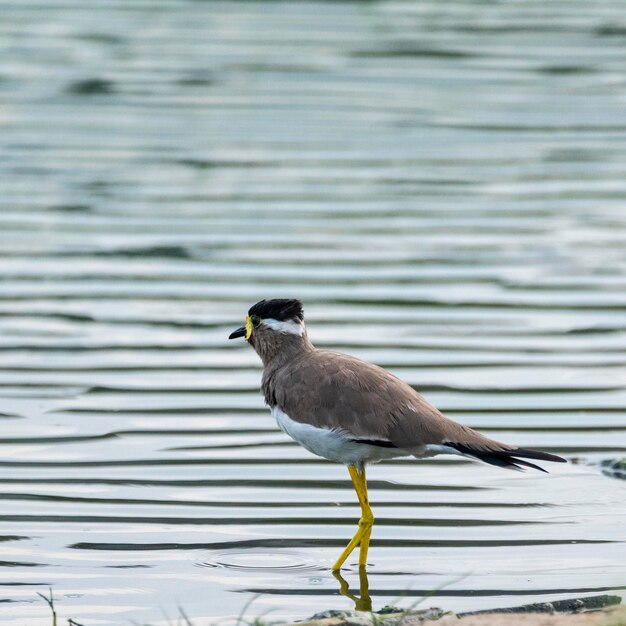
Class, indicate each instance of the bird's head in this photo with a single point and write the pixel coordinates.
(272, 325)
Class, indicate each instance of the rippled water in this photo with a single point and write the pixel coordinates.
(443, 184)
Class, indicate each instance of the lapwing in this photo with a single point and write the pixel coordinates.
(353, 412)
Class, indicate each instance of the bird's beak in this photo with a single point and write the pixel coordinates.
(244, 331)
(240, 332)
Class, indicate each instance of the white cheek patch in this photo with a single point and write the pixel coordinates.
(290, 326)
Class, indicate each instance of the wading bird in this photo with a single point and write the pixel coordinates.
(353, 412)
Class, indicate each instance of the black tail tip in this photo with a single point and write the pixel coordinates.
(512, 458)
(536, 454)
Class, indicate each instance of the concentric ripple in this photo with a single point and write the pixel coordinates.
(259, 561)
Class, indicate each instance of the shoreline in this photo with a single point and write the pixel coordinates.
(604, 610)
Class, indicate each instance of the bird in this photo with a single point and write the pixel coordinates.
(356, 413)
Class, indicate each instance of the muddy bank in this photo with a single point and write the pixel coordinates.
(592, 611)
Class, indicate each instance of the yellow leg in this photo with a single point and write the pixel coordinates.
(364, 531)
(365, 544)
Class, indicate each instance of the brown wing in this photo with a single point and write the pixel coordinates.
(333, 390)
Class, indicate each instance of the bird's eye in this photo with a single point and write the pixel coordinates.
(255, 320)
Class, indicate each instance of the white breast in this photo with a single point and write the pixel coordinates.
(333, 444)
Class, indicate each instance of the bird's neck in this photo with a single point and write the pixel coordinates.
(283, 349)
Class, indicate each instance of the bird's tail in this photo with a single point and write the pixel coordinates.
(511, 458)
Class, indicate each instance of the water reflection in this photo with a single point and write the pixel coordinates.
(362, 602)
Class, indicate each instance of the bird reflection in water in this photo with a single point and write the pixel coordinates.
(362, 602)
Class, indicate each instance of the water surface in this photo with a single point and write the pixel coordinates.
(443, 184)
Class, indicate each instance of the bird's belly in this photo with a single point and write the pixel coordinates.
(331, 444)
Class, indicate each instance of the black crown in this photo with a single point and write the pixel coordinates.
(282, 310)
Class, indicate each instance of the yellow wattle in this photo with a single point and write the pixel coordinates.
(248, 327)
